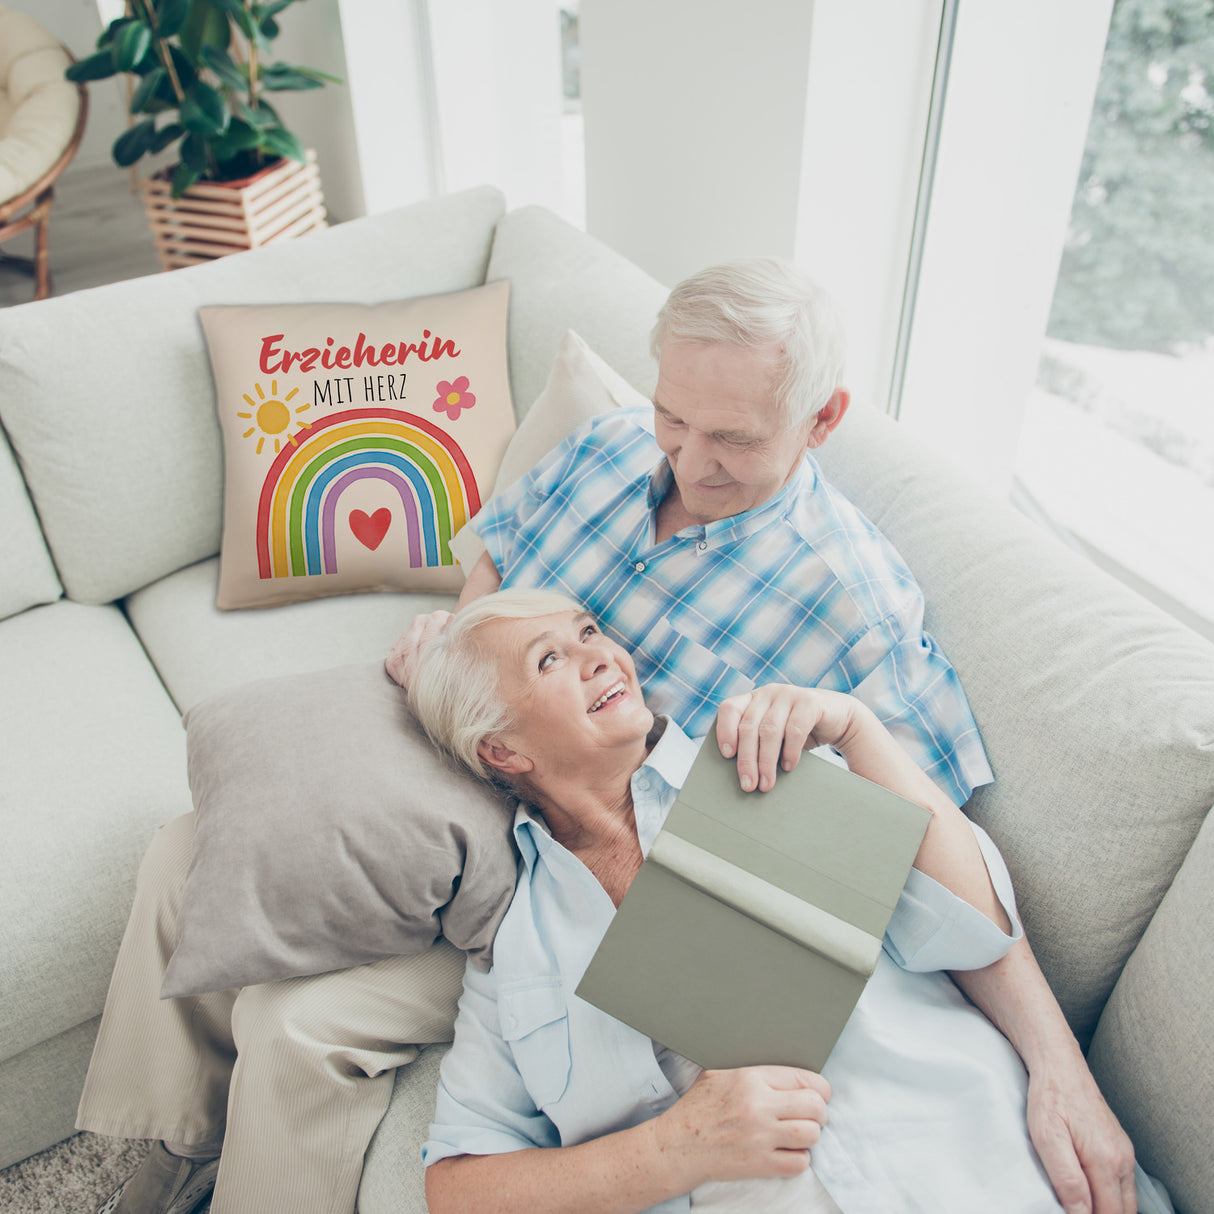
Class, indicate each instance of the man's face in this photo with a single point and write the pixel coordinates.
(716, 419)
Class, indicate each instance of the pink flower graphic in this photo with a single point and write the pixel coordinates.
(453, 396)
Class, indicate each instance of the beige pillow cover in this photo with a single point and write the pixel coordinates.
(580, 386)
(357, 440)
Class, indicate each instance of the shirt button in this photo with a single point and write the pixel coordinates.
(639, 566)
(702, 545)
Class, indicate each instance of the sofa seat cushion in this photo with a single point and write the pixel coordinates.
(117, 433)
(93, 760)
(199, 650)
(27, 574)
(562, 279)
(1096, 709)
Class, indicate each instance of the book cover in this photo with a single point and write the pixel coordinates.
(755, 921)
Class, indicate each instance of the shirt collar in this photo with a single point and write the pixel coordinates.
(655, 785)
(737, 526)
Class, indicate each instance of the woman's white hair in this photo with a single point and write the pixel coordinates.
(763, 303)
(454, 691)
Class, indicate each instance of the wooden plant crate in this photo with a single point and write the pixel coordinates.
(215, 218)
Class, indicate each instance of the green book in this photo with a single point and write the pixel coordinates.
(757, 918)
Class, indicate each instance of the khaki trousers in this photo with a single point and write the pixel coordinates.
(293, 1076)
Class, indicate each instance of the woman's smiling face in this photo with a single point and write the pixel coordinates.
(572, 691)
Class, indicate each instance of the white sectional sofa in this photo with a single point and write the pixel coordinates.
(1097, 711)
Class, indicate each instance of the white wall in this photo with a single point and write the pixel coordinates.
(694, 125)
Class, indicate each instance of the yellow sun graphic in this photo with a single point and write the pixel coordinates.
(271, 416)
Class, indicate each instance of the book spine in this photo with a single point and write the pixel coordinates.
(802, 922)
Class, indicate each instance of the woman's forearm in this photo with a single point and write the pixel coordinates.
(620, 1173)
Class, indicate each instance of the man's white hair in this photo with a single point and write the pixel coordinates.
(763, 303)
(455, 692)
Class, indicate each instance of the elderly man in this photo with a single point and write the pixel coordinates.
(704, 538)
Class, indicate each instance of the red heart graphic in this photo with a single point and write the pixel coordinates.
(370, 529)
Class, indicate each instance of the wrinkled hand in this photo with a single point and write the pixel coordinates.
(401, 660)
(1087, 1155)
(772, 725)
(751, 1122)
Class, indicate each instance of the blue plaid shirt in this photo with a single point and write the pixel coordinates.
(802, 589)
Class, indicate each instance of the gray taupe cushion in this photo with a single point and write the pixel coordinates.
(329, 833)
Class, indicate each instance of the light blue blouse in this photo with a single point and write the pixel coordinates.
(928, 1104)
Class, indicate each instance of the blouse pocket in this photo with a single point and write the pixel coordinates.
(535, 1023)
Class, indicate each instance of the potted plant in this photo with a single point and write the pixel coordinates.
(201, 71)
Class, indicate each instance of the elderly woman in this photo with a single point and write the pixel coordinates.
(547, 1103)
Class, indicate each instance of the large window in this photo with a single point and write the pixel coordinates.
(1117, 445)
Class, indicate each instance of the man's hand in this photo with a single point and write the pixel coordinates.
(1087, 1155)
(401, 660)
(770, 727)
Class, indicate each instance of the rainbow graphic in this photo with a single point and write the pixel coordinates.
(423, 464)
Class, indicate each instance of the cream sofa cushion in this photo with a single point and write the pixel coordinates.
(1096, 710)
(93, 759)
(561, 279)
(117, 434)
(27, 574)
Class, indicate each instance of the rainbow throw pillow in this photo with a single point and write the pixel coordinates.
(358, 439)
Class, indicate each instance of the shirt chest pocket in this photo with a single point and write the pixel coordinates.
(680, 671)
(535, 1024)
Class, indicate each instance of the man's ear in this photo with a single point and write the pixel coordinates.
(495, 754)
(829, 416)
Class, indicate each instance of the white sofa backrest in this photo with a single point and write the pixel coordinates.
(108, 399)
(562, 279)
(27, 574)
(1092, 704)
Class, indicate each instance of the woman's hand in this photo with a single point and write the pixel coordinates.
(770, 727)
(755, 1121)
(401, 661)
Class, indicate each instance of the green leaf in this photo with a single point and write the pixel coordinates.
(261, 118)
(279, 77)
(96, 67)
(183, 178)
(281, 142)
(270, 9)
(166, 135)
(241, 137)
(132, 144)
(205, 26)
(171, 16)
(204, 112)
(194, 153)
(268, 29)
(144, 97)
(108, 34)
(130, 45)
(225, 67)
(187, 73)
